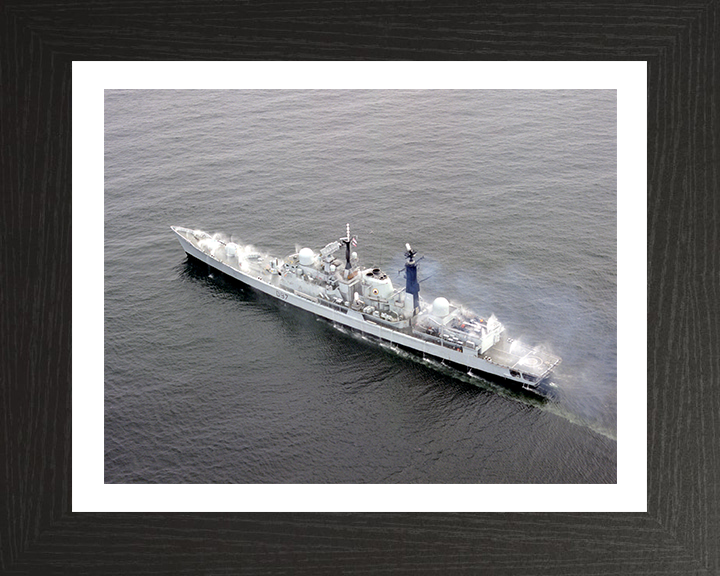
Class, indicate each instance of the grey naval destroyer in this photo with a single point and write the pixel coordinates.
(364, 299)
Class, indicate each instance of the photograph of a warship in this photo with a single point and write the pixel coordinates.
(364, 299)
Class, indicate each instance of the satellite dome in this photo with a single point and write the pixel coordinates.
(440, 307)
(306, 257)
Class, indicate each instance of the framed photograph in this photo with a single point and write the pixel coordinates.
(608, 496)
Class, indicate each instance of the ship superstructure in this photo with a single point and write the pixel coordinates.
(332, 283)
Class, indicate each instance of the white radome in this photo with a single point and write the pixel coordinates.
(306, 257)
(440, 307)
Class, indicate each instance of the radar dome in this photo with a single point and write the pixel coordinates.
(440, 307)
(306, 257)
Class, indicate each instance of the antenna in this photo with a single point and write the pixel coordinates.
(410, 253)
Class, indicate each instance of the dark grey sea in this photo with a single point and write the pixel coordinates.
(509, 195)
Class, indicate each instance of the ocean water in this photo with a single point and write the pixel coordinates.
(510, 196)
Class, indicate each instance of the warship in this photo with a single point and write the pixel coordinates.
(364, 299)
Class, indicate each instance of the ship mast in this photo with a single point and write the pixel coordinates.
(412, 286)
(347, 241)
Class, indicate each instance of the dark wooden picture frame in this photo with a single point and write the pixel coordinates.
(681, 530)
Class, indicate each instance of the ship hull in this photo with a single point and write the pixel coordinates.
(463, 360)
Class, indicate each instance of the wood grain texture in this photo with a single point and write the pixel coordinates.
(680, 534)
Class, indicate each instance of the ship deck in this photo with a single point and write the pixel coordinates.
(517, 356)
